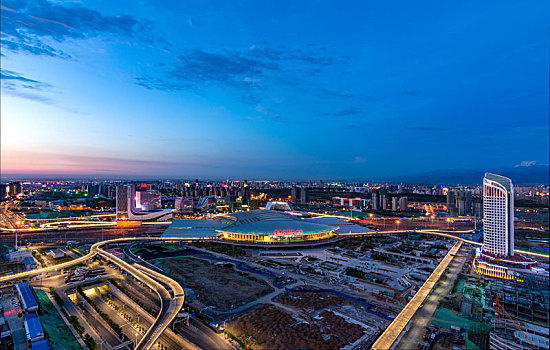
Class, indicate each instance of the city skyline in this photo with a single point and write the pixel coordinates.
(316, 91)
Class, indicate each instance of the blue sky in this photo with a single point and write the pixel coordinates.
(281, 89)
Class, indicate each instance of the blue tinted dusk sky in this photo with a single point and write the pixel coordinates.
(272, 89)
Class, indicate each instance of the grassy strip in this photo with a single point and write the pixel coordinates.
(73, 320)
(56, 297)
(61, 260)
(230, 335)
(76, 251)
(115, 326)
(39, 258)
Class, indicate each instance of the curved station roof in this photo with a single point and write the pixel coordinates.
(260, 222)
(271, 227)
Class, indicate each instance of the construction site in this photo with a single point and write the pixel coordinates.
(484, 312)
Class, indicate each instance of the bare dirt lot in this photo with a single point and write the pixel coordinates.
(271, 328)
(216, 285)
(309, 301)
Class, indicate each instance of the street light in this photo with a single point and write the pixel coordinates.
(397, 223)
(17, 223)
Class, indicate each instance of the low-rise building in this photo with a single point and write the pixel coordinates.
(56, 253)
(19, 255)
(33, 328)
(28, 301)
(30, 264)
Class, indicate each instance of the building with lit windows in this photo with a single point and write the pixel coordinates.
(496, 258)
(498, 211)
(129, 206)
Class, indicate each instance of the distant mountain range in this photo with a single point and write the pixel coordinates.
(520, 175)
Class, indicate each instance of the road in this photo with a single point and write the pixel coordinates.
(9, 218)
(424, 315)
(98, 330)
(83, 235)
(198, 333)
(395, 329)
(170, 307)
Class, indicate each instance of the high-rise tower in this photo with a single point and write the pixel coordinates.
(498, 215)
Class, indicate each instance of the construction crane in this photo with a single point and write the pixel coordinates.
(499, 308)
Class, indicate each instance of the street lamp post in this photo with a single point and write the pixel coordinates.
(17, 223)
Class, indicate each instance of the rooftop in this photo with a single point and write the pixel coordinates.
(27, 298)
(33, 327)
(504, 181)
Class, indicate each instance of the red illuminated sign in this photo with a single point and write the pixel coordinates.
(287, 232)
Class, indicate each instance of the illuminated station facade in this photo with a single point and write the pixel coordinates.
(277, 223)
(273, 226)
(496, 258)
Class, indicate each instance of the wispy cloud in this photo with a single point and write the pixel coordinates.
(248, 71)
(11, 80)
(526, 163)
(15, 84)
(18, 85)
(346, 112)
(34, 27)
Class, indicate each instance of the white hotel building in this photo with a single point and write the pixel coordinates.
(496, 258)
(498, 214)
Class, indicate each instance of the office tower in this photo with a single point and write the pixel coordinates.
(404, 204)
(394, 204)
(294, 195)
(450, 201)
(14, 188)
(245, 195)
(3, 191)
(498, 212)
(468, 202)
(304, 195)
(383, 199)
(375, 200)
(477, 208)
(93, 189)
(122, 201)
(461, 203)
